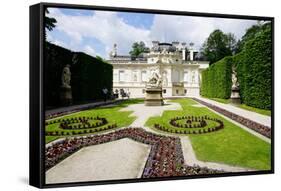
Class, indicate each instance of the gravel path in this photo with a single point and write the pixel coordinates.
(143, 113)
(122, 159)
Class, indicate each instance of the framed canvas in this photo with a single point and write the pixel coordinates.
(121, 95)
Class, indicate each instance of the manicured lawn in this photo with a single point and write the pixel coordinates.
(243, 106)
(226, 101)
(112, 114)
(231, 145)
(257, 110)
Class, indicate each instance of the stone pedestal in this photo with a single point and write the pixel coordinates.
(235, 96)
(66, 96)
(153, 97)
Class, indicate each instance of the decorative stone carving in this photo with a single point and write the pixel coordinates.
(153, 96)
(66, 77)
(235, 83)
(66, 92)
(235, 96)
(155, 81)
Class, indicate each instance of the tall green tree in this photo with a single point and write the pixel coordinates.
(219, 45)
(251, 34)
(50, 22)
(137, 49)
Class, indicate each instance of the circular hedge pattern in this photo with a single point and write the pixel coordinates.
(79, 125)
(83, 123)
(191, 125)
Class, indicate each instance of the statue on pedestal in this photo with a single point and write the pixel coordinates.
(66, 92)
(235, 83)
(66, 77)
(235, 96)
(155, 81)
(153, 96)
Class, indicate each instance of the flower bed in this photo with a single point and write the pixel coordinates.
(191, 125)
(79, 125)
(165, 158)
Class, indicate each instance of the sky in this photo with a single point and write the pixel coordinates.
(95, 32)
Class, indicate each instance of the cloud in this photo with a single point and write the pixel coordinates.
(102, 25)
(108, 28)
(89, 50)
(194, 29)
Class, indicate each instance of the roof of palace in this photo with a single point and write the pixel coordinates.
(158, 47)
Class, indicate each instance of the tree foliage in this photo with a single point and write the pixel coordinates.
(251, 34)
(50, 22)
(137, 49)
(218, 45)
(254, 67)
(254, 70)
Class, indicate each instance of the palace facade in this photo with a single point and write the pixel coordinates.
(179, 66)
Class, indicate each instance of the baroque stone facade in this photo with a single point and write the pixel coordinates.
(179, 66)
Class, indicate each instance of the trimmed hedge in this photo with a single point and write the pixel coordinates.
(254, 69)
(216, 80)
(254, 72)
(88, 76)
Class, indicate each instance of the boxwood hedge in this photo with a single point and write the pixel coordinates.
(88, 76)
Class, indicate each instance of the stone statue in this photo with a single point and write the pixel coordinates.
(235, 83)
(235, 92)
(113, 53)
(155, 81)
(66, 77)
(153, 92)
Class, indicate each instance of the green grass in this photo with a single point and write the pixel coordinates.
(226, 101)
(257, 110)
(244, 106)
(112, 114)
(231, 145)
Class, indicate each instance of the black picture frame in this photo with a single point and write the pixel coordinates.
(37, 104)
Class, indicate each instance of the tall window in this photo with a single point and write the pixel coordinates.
(185, 76)
(121, 76)
(135, 76)
(143, 76)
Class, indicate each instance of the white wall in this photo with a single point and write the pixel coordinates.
(14, 95)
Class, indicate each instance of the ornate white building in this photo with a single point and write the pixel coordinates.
(179, 66)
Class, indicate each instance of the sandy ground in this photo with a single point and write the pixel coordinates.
(122, 159)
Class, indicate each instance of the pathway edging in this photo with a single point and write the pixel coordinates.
(260, 128)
